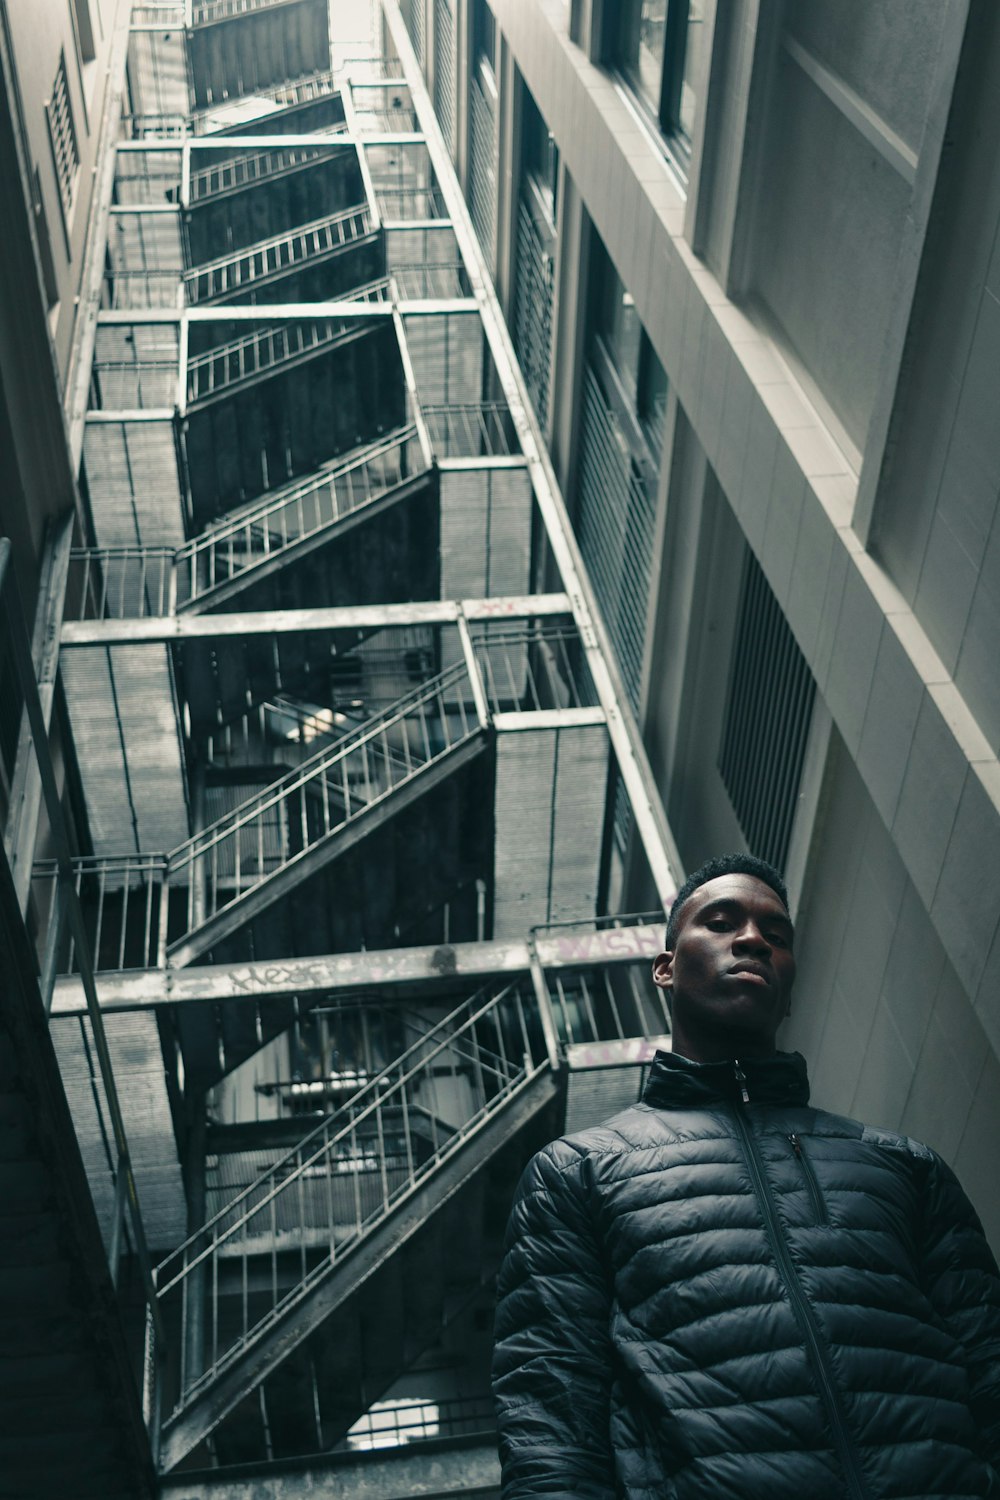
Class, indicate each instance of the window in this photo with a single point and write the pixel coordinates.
(536, 250)
(657, 45)
(62, 132)
(84, 30)
(766, 722)
(484, 33)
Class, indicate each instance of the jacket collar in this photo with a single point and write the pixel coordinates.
(677, 1083)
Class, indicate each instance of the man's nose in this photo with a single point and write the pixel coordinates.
(750, 939)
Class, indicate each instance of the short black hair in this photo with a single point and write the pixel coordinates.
(723, 864)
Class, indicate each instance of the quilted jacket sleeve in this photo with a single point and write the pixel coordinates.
(552, 1361)
(961, 1279)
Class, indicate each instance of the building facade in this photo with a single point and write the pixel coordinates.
(455, 483)
(747, 256)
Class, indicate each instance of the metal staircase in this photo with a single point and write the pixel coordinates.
(273, 349)
(256, 265)
(248, 168)
(274, 1266)
(246, 859)
(255, 541)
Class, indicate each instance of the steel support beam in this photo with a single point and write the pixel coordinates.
(281, 621)
(343, 973)
(277, 312)
(429, 1470)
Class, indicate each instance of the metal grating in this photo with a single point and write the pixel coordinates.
(482, 159)
(131, 469)
(137, 1061)
(532, 330)
(485, 532)
(126, 735)
(549, 826)
(62, 129)
(615, 525)
(766, 723)
(444, 70)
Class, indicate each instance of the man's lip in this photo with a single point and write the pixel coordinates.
(751, 971)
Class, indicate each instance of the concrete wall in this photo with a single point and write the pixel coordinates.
(39, 33)
(879, 1012)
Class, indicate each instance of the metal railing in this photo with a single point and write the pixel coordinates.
(262, 1254)
(429, 281)
(125, 583)
(530, 668)
(612, 999)
(120, 583)
(207, 12)
(403, 203)
(237, 853)
(274, 524)
(66, 915)
(242, 269)
(249, 167)
(391, 1424)
(267, 350)
(471, 429)
(123, 906)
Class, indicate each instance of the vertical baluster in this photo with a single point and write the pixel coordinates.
(356, 1165)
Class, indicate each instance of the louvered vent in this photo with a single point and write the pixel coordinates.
(482, 176)
(413, 17)
(768, 706)
(615, 526)
(444, 70)
(62, 129)
(533, 306)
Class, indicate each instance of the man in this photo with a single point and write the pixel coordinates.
(723, 1292)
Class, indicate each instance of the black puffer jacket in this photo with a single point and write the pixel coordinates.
(708, 1298)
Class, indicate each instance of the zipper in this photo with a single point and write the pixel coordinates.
(801, 1305)
(809, 1173)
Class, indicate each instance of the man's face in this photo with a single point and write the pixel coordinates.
(731, 970)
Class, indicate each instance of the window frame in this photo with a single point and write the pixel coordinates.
(665, 113)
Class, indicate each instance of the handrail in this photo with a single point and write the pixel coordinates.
(492, 1040)
(244, 164)
(273, 334)
(68, 909)
(230, 823)
(260, 247)
(269, 505)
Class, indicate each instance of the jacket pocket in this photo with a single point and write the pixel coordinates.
(812, 1182)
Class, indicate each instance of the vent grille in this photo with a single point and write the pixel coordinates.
(533, 307)
(482, 150)
(616, 518)
(444, 70)
(768, 707)
(62, 129)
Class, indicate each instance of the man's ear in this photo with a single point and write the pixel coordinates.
(663, 970)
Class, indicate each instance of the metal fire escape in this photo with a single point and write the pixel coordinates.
(342, 906)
